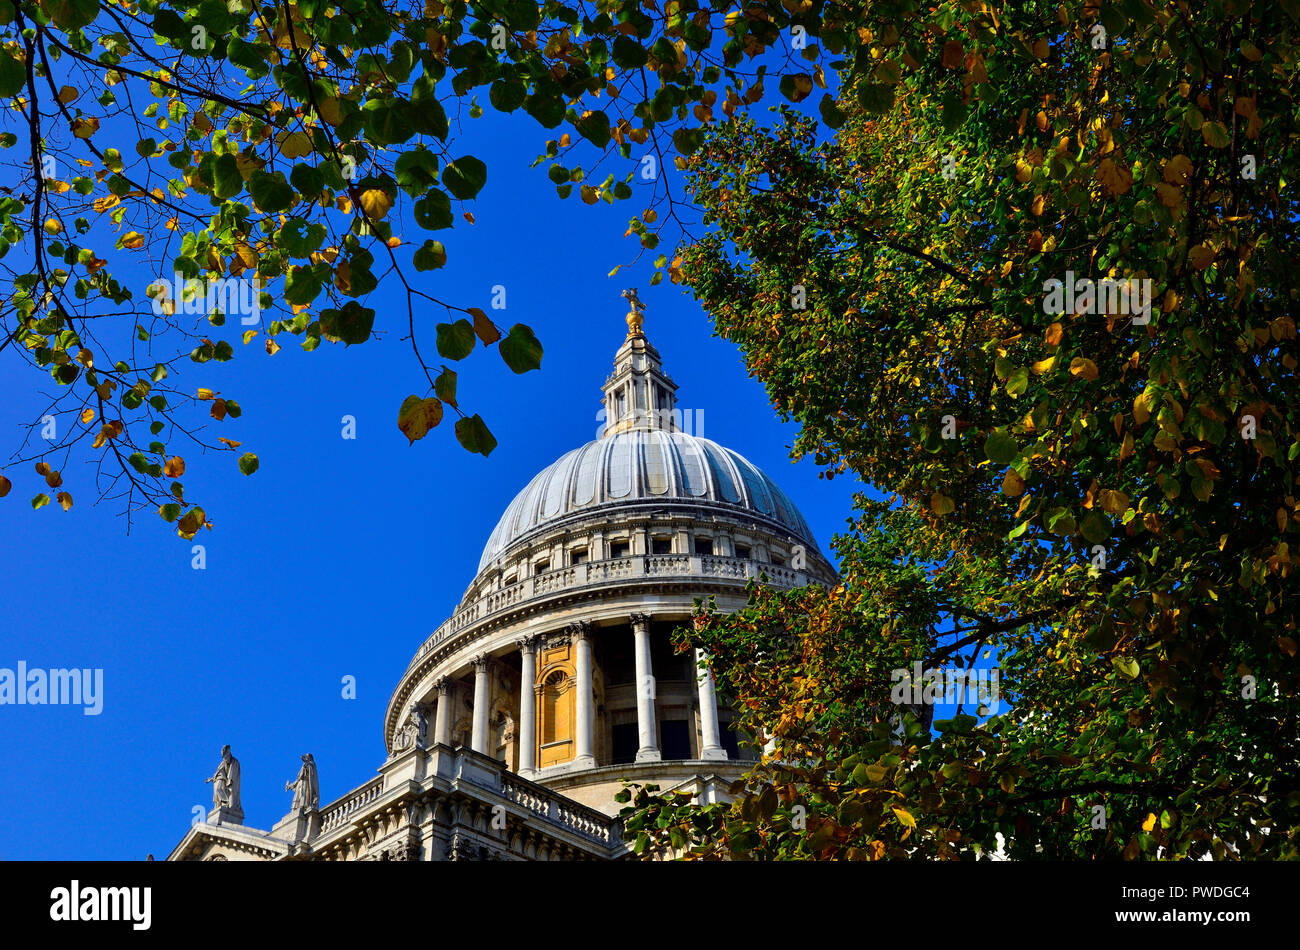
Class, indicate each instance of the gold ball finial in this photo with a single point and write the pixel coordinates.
(635, 316)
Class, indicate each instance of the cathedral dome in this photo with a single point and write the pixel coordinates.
(656, 466)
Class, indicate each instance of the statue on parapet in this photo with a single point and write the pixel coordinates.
(225, 789)
(305, 788)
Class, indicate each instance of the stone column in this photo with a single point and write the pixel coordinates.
(528, 708)
(479, 735)
(708, 713)
(647, 733)
(442, 717)
(584, 757)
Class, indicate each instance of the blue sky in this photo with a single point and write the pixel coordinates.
(338, 557)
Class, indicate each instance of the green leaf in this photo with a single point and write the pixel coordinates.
(473, 434)
(456, 340)
(299, 238)
(1001, 447)
(40, 501)
(351, 324)
(1126, 665)
(13, 73)
(416, 171)
(465, 176)
(248, 463)
(270, 192)
(507, 95)
(431, 256)
(433, 211)
(71, 14)
(594, 127)
(1095, 527)
(444, 387)
(521, 350)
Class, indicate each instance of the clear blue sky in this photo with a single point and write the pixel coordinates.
(337, 557)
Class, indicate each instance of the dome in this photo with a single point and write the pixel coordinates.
(644, 465)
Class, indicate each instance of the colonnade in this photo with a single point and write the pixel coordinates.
(580, 635)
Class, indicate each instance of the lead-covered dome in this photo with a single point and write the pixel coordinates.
(643, 464)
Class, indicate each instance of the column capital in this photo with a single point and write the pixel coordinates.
(442, 685)
(640, 619)
(482, 663)
(528, 643)
(579, 629)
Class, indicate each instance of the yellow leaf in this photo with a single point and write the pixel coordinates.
(294, 144)
(64, 499)
(905, 817)
(175, 467)
(1054, 334)
(329, 111)
(1114, 179)
(230, 442)
(1178, 170)
(133, 240)
(1150, 822)
(376, 202)
(272, 347)
(1200, 257)
(1042, 366)
(85, 127)
(248, 336)
(68, 94)
(87, 416)
(1142, 408)
(1082, 366)
(417, 416)
(205, 393)
(1170, 196)
(941, 504)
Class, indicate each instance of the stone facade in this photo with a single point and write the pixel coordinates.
(554, 681)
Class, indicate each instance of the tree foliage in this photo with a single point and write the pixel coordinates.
(275, 160)
(1103, 499)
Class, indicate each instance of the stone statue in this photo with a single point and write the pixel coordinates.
(412, 732)
(305, 788)
(225, 784)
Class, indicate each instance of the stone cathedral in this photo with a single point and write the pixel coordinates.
(555, 681)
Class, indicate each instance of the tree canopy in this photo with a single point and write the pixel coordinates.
(173, 165)
(1038, 289)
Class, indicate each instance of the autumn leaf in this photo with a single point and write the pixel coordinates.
(175, 467)
(485, 328)
(417, 416)
(1083, 367)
